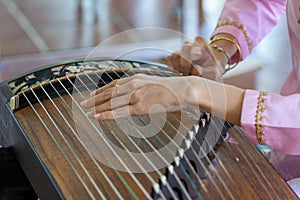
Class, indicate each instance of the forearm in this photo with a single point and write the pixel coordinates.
(222, 100)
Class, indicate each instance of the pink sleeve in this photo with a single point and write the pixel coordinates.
(249, 21)
(272, 119)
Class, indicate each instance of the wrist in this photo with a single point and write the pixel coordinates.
(199, 93)
(221, 56)
(229, 47)
(226, 42)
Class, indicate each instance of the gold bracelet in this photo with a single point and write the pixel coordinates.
(227, 67)
(232, 41)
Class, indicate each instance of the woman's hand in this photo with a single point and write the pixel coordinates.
(143, 94)
(197, 59)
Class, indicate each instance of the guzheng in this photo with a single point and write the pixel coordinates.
(177, 155)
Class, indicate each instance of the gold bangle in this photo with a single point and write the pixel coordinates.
(227, 67)
(232, 41)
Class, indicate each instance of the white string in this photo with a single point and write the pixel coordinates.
(150, 178)
(251, 166)
(150, 143)
(85, 148)
(59, 147)
(208, 143)
(95, 128)
(196, 155)
(227, 173)
(241, 151)
(153, 148)
(205, 169)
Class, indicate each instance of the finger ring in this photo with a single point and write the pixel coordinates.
(117, 89)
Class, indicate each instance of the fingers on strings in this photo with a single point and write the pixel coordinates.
(115, 99)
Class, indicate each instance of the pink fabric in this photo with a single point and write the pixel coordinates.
(248, 114)
(253, 19)
(281, 125)
(290, 86)
(249, 21)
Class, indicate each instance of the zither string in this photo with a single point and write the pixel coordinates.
(168, 186)
(251, 166)
(176, 119)
(164, 133)
(153, 148)
(121, 161)
(65, 141)
(208, 143)
(196, 155)
(226, 172)
(202, 151)
(85, 148)
(95, 186)
(173, 153)
(208, 174)
(196, 175)
(60, 148)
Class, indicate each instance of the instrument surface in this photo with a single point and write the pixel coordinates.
(180, 155)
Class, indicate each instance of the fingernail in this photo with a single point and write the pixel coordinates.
(90, 114)
(83, 103)
(93, 93)
(97, 116)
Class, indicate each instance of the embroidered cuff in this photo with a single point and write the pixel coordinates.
(259, 118)
(240, 27)
(239, 32)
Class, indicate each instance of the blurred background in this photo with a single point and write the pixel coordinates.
(34, 33)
